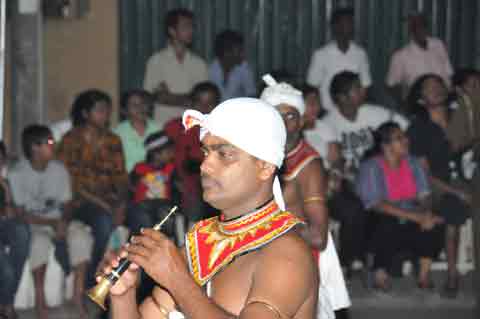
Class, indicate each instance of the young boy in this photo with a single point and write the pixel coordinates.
(152, 178)
(42, 193)
(152, 183)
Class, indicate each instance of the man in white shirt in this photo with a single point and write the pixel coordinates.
(353, 123)
(338, 55)
(172, 72)
(421, 56)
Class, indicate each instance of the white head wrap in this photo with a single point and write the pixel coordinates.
(282, 93)
(251, 125)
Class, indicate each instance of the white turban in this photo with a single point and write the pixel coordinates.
(249, 124)
(282, 93)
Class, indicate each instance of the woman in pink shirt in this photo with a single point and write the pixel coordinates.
(394, 186)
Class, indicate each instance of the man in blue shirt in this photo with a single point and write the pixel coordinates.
(229, 71)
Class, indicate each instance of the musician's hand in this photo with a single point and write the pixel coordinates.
(427, 221)
(159, 258)
(128, 280)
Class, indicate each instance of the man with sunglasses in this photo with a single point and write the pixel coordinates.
(41, 194)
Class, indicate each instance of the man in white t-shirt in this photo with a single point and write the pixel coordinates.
(421, 56)
(353, 123)
(338, 55)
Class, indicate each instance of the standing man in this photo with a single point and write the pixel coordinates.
(340, 54)
(230, 71)
(252, 264)
(172, 72)
(304, 189)
(423, 55)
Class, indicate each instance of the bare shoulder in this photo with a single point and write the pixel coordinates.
(285, 277)
(290, 249)
(315, 166)
(313, 169)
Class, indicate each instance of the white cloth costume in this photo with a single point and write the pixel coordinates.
(333, 294)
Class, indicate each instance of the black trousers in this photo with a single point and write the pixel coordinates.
(390, 237)
(346, 208)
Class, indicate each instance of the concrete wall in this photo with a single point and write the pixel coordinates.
(80, 54)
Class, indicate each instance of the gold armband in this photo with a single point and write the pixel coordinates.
(314, 199)
(266, 305)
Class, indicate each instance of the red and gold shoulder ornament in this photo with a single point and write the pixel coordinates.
(297, 159)
(212, 244)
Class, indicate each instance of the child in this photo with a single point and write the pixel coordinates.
(152, 183)
(152, 178)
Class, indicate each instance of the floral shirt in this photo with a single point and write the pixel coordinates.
(97, 168)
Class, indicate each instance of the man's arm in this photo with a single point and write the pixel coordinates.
(163, 95)
(285, 279)
(312, 184)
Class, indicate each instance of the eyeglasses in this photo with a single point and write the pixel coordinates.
(49, 141)
(289, 116)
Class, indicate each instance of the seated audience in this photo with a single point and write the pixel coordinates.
(41, 191)
(422, 55)
(152, 182)
(464, 128)
(14, 244)
(230, 71)
(94, 158)
(353, 122)
(188, 153)
(136, 125)
(342, 53)
(429, 142)
(75, 119)
(393, 184)
(316, 131)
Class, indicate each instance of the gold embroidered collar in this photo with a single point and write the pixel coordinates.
(212, 244)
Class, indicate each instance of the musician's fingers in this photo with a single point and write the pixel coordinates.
(153, 234)
(138, 250)
(143, 241)
(139, 260)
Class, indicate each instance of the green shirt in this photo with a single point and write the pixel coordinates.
(132, 143)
